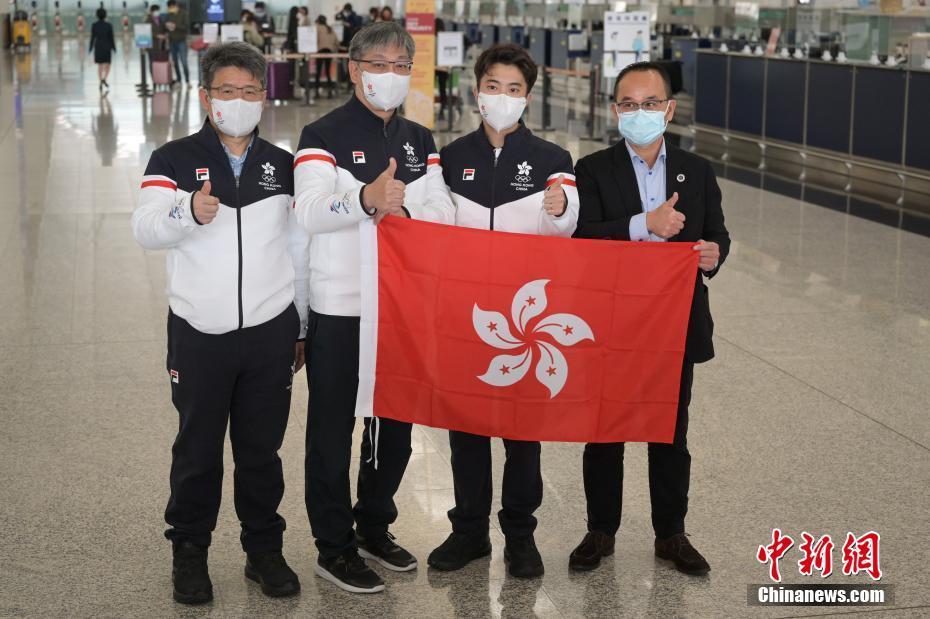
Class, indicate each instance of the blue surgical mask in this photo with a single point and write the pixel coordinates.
(641, 127)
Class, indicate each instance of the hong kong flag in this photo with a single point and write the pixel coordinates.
(522, 336)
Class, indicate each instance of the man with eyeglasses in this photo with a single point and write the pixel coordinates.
(360, 161)
(220, 202)
(644, 189)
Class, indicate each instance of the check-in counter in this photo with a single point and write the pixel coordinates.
(539, 44)
(874, 113)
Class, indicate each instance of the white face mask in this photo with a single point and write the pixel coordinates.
(385, 91)
(236, 117)
(501, 111)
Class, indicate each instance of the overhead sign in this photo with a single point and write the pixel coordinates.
(231, 32)
(626, 40)
(143, 35)
(450, 49)
(306, 40)
(211, 32)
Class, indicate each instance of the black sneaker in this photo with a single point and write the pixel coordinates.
(350, 573)
(189, 574)
(271, 571)
(383, 550)
(523, 558)
(459, 550)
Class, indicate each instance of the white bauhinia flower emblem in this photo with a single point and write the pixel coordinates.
(268, 168)
(524, 168)
(495, 330)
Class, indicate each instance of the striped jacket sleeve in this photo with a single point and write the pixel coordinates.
(318, 206)
(437, 205)
(564, 224)
(163, 217)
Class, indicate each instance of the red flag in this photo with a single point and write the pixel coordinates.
(523, 336)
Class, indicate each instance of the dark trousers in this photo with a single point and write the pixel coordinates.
(178, 50)
(323, 69)
(669, 476)
(241, 379)
(332, 377)
(521, 493)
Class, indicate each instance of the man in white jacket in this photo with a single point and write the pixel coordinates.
(220, 201)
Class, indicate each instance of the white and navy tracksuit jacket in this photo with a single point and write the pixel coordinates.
(504, 191)
(338, 155)
(247, 265)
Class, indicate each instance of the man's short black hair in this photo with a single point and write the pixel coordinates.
(507, 53)
(101, 13)
(171, 3)
(641, 67)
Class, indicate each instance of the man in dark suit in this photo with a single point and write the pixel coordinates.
(643, 189)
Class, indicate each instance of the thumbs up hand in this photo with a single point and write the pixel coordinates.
(555, 199)
(385, 194)
(204, 205)
(665, 221)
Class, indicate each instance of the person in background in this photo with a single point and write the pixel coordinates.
(372, 16)
(153, 18)
(351, 22)
(647, 190)
(386, 14)
(442, 75)
(479, 169)
(303, 16)
(103, 44)
(265, 25)
(293, 21)
(235, 330)
(250, 31)
(362, 161)
(178, 26)
(327, 42)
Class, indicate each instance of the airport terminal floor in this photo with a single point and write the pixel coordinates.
(812, 417)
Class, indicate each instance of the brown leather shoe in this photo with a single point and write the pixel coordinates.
(678, 549)
(587, 555)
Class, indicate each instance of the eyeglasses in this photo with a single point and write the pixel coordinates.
(228, 93)
(400, 67)
(652, 105)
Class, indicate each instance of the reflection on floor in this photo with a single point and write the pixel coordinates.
(811, 418)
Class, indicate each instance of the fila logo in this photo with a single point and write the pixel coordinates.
(203, 174)
(175, 377)
(358, 156)
(468, 174)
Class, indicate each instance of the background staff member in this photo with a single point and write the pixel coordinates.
(361, 160)
(623, 192)
(502, 177)
(220, 202)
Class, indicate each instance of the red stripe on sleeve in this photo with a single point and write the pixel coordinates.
(569, 182)
(166, 184)
(432, 161)
(305, 158)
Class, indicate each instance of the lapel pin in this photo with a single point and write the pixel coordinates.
(681, 178)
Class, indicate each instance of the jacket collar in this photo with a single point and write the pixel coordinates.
(510, 140)
(367, 119)
(211, 141)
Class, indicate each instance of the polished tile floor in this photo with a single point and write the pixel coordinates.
(813, 417)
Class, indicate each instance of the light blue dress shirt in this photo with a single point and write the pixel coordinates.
(651, 192)
(238, 162)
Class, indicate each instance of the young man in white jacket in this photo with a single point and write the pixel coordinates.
(220, 201)
(502, 177)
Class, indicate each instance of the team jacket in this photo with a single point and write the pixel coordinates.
(506, 193)
(248, 264)
(338, 155)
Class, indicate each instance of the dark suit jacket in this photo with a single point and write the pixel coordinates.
(609, 197)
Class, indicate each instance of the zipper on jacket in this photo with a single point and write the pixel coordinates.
(239, 240)
(494, 183)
